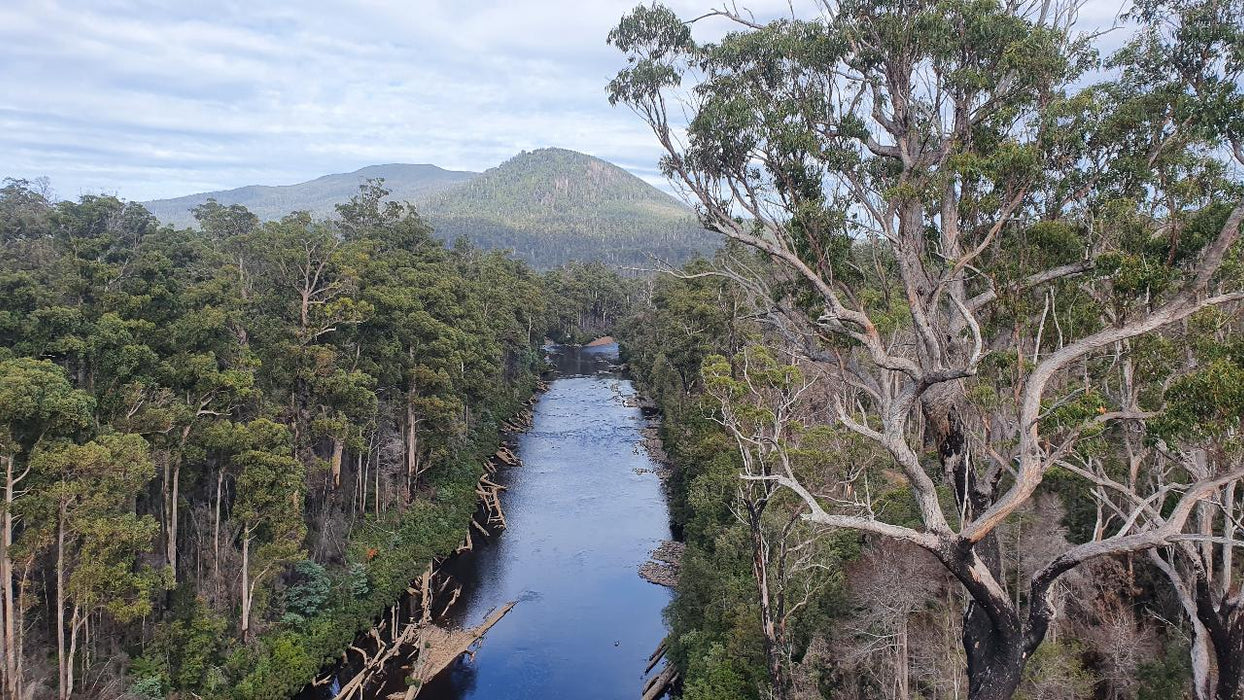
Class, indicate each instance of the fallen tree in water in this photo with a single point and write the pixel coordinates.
(440, 647)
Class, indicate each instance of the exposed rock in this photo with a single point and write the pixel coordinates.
(665, 564)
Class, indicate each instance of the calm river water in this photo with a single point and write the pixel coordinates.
(584, 510)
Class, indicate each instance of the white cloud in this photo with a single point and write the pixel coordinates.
(150, 100)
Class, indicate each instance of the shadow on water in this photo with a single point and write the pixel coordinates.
(584, 510)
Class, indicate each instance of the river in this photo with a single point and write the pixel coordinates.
(583, 511)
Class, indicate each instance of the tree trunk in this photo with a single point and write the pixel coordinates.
(338, 448)
(12, 676)
(995, 657)
(412, 446)
(170, 542)
(245, 622)
(1200, 661)
(774, 643)
(1230, 668)
(220, 483)
(902, 664)
(1228, 645)
(61, 666)
(74, 625)
(994, 639)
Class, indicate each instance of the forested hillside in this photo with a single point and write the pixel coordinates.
(549, 207)
(553, 206)
(318, 197)
(226, 452)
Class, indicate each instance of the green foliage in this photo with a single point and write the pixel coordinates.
(307, 596)
(1056, 671)
(554, 206)
(221, 375)
(187, 649)
(712, 676)
(587, 300)
(1166, 678)
(148, 688)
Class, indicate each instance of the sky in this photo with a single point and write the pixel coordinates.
(148, 100)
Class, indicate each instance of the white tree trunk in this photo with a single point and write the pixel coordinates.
(246, 589)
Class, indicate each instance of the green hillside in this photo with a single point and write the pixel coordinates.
(406, 182)
(549, 206)
(554, 205)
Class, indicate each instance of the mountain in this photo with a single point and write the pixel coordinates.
(406, 182)
(549, 206)
(553, 205)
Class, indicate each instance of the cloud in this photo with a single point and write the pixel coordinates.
(152, 99)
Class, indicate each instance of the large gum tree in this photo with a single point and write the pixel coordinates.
(969, 234)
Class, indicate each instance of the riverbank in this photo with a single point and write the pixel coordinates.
(368, 660)
(583, 513)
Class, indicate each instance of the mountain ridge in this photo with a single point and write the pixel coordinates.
(549, 206)
(405, 181)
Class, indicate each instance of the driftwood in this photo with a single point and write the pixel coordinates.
(657, 686)
(452, 599)
(656, 657)
(440, 647)
(489, 494)
(507, 456)
(660, 683)
(375, 664)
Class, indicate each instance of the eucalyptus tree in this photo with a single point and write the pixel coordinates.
(268, 510)
(765, 405)
(80, 511)
(38, 405)
(950, 218)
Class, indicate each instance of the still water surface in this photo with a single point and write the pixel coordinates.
(584, 510)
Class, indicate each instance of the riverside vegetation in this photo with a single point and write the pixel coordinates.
(957, 413)
(226, 452)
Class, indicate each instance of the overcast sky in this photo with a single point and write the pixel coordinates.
(149, 99)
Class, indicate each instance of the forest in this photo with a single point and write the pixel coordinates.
(956, 413)
(227, 451)
(552, 207)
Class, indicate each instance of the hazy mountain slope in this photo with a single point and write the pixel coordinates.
(406, 182)
(549, 206)
(553, 205)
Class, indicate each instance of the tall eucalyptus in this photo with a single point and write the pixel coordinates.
(924, 174)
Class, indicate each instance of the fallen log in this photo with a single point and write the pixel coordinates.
(658, 684)
(479, 527)
(440, 647)
(506, 455)
(656, 657)
(491, 484)
(375, 664)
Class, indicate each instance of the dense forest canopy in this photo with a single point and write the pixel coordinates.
(225, 452)
(954, 407)
(974, 350)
